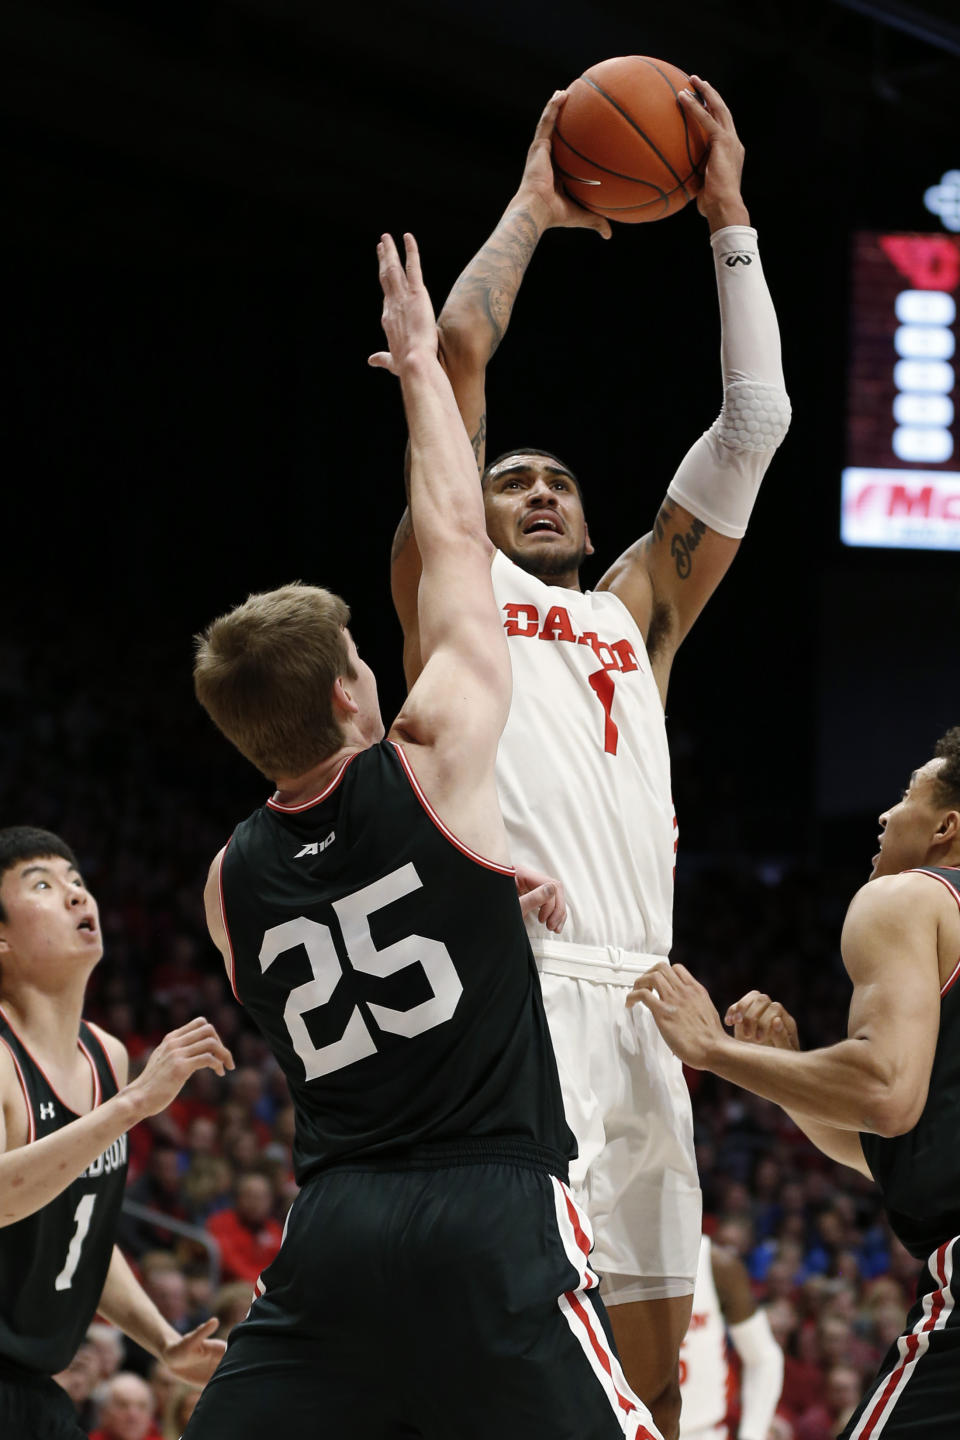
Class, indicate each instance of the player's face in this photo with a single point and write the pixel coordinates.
(535, 515)
(908, 829)
(363, 692)
(51, 917)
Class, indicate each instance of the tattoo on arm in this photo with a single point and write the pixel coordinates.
(682, 543)
(682, 547)
(403, 532)
(478, 441)
(493, 277)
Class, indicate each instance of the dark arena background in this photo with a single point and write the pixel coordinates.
(191, 198)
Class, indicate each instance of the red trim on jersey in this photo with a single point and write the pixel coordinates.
(106, 1055)
(912, 1346)
(448, 834)
(919, 870)
(308, 804)
(97, 1087)
(31, 1124)
(80, 1046)
(223, 917)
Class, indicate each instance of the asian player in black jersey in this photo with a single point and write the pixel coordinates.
(886, 1100)
(65, 1109)
(434, 1279)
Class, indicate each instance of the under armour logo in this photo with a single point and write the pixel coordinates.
(732, 260)
(47, 1110)
(316, 846)
(944, 199)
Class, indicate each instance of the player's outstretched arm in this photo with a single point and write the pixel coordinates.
(124, 1302)
(667, 577)
(473, 322)
(33, 1175)
(459, 705)
(877, 1079)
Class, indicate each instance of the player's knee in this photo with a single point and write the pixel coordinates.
(664, 1406)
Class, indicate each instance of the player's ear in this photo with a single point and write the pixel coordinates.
(587, 542)
(949, 827)
(343, 704)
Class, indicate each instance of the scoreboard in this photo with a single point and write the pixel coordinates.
(901, 485)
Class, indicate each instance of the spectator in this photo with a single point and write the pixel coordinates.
(230, 1305)
(248, 1235)
(158, 1188)
(79, 1380)
(179, 1409)
(127, 1410)
(824, 1421)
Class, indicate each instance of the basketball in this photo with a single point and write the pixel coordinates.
(623, 145)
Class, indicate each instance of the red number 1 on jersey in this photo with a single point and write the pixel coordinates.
(601, 683)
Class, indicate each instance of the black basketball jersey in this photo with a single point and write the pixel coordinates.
(53, 1264)
(919, 1172)
(389, 970)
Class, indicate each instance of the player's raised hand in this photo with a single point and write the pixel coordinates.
(758, 1020)
(408, 319)
(194, 1046)
(542, 894)
(720, 199)
(541, 183)
(194, 1356)
(686, 1016)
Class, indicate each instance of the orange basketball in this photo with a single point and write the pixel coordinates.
(623, 145)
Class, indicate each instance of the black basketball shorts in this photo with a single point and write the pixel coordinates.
(917, 1392)
(36, 1408)
(452, 1303)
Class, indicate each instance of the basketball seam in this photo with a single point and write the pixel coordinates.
(617, 174)
(665, 195)
(695, 164)
(633, 124)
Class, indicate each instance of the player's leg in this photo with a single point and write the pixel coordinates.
(315, 1353)
(649, 1334)
(917, 1392)
(37, 1409)
(283, 1386)
(505, 1333)
(645, 1204)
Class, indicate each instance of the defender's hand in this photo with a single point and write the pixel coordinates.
(194, 1046)
(408, 320)
(196, 1355)
(758, 1020)
(542, 185)
(543, 894)
(720, 199)
(686, 1016)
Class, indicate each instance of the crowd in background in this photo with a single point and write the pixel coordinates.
(217, 1164)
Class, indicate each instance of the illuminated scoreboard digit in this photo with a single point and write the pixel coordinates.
(901, 487)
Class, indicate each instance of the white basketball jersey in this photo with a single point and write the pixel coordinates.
(583, 766)
(705, 1375)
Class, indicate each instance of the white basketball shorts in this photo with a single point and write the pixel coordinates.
(628, 1105)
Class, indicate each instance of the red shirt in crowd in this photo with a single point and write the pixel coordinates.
(244, 1253)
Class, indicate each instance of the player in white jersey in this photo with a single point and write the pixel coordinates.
(723, 1304)
(583, 768)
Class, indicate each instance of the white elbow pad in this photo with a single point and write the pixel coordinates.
(755, 416)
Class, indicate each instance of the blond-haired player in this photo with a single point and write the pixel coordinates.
(434, 1278)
